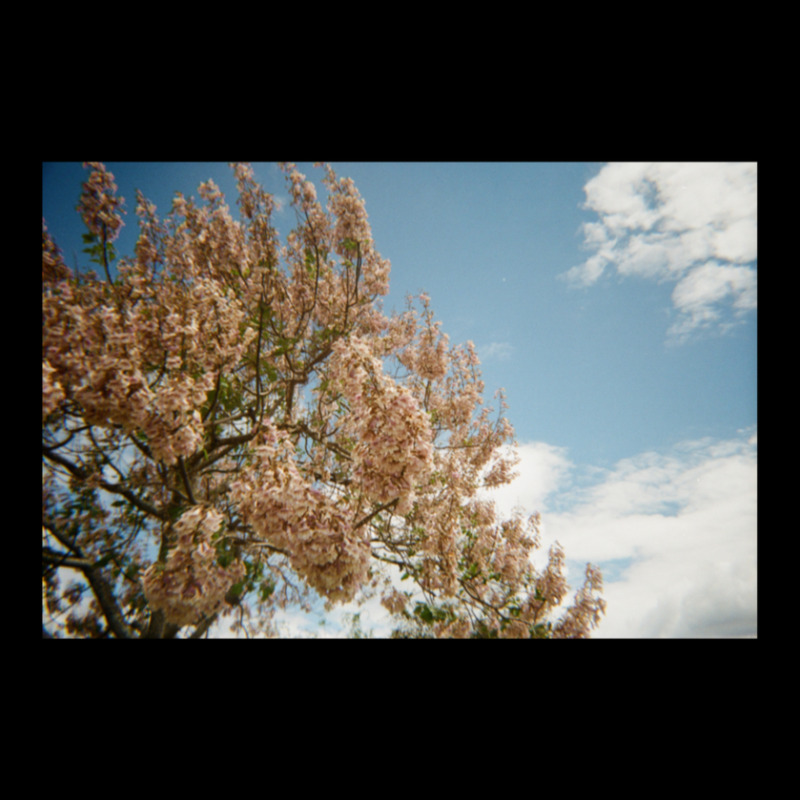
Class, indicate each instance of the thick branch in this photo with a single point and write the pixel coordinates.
(64, 559)
(186, 481)
(99, 585)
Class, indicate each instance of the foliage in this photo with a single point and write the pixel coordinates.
(231, 425)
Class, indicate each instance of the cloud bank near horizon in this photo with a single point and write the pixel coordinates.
(675, 533)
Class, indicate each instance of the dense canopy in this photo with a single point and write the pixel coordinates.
(231, 425)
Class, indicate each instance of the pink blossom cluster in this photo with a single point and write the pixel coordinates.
(94, 356)
(393, 449)
(52, 393)
(191, 584)
(430, 356)
(394, 601)
(343, 230)
(488, 564)
(347, 208)
(53, 266)
(256, 206)
(461, 391)
(316, 233)
(98, 205)
(585, 614)
(501, 471)
(147, 358)
(315, 531)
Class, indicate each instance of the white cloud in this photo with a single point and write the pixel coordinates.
(693, 224)
(697, 296)
(543, 469)
(676, 532)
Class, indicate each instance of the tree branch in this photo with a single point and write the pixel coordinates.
(365, 520)
(115, 488)
(98, 584)
(186, 481)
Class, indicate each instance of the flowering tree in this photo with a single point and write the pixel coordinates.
(230, 424)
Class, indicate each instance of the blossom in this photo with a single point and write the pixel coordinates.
(395, 601)
(317, 534)
(190, 584)
(53, 266)
(99, 207)
(52, 393)
(394, 442)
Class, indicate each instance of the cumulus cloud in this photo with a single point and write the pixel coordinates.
(674, 532)
(542, 470)
(690, 224)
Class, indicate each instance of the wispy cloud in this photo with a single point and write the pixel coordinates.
(700, 293)
(675, 533)
(691, 224)
(495, 351)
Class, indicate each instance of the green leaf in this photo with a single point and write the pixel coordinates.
(541, 631)
(266, 589)
(473, 570)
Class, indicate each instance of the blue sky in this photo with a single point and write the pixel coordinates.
(616, 305)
